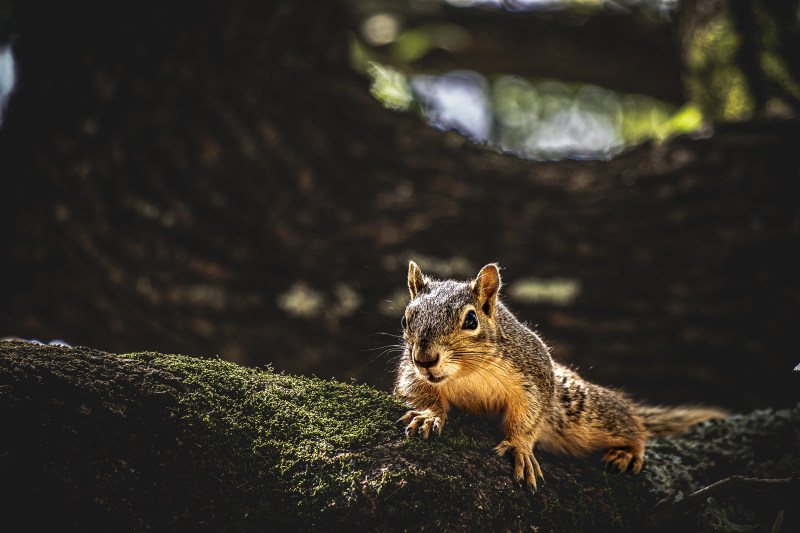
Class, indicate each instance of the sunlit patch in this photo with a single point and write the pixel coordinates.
(7, 78)
(553, 120)
(301, 301)
(348, 301)
(456, 100)
(584, 124)
(557, 291)
(538, 118)
(542, 120)
(715, 79)
(389, 86)
(380, 29)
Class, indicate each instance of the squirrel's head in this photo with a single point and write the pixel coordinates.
(449, 326)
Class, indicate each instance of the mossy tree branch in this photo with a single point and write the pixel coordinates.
(159, 441)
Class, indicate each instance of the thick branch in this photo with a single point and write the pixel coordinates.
(155, 441)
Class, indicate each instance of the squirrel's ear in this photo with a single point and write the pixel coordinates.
(486, 287)
(416, 281)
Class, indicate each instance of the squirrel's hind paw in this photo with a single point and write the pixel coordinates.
(422, 423)
(525, 464)
(620, 459)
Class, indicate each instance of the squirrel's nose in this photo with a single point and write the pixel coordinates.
(424, 356)
(426, 363)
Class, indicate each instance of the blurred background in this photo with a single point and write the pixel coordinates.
(249, 179)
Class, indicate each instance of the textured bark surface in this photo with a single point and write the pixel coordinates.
(168, 442)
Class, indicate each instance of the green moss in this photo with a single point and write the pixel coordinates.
(211, 444)
(294, 450)
(297, 451)
(453, 440)
(283, 442)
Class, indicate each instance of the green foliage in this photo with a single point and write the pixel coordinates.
(715, 79)
(389, 86)
(737, 63)
(771, 61)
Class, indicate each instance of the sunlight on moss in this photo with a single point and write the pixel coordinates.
(389, 86)
(282, 442)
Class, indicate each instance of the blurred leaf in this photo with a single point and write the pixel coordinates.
(389, 86)
(686, 119)
(414, 44)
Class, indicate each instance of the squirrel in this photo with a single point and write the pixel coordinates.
(463, 348)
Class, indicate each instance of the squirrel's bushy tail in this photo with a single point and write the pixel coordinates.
(664, 421)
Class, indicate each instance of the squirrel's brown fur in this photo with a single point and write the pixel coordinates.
(464, 349)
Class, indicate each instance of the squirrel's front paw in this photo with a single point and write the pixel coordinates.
(422, 422)
(525, 465)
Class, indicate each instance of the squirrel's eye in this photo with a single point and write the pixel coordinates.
(403, 322)
(470, 321)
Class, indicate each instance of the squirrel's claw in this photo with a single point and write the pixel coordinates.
(526, 467)
(422, 423)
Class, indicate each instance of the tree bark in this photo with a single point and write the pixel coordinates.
(148, 441)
